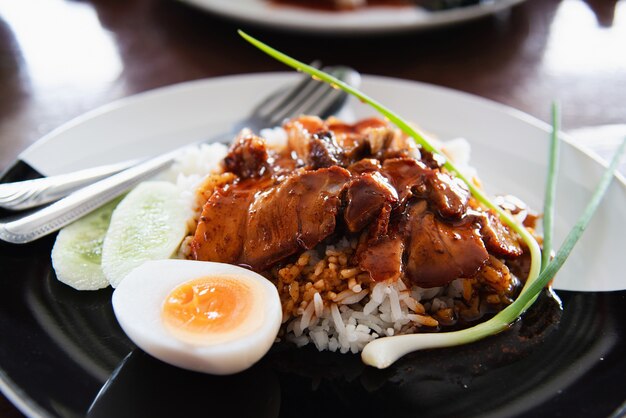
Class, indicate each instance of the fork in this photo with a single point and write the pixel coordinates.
(306, 97)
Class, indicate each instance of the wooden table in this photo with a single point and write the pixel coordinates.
(59, 59)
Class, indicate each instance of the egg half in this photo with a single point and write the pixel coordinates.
(208, 317)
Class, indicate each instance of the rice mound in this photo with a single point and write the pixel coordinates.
(328, 300)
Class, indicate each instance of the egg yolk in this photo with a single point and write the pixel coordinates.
(209, 307)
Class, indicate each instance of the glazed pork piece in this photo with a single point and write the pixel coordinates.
(295, 214)
(413, 220)
(268, 212)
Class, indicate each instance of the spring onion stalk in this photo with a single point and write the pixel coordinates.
(548, 202)
(383, 352)
(573, 236)
(420, 138)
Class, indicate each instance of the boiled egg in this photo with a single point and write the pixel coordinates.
(208, 317)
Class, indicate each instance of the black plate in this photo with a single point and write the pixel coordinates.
(63, 354)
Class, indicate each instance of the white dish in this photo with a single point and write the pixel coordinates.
(509, 150)
(363, 21)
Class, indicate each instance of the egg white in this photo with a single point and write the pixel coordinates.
(138, 301)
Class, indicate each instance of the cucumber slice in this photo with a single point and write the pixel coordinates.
(77, 251)
(149, 224)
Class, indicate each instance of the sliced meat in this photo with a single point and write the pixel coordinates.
(432, 160)
(382, 258)
(351, 135)
(378, 138)
(211, 183)
(248, 157)
(221, 230)
(366, 196)
(367, 124)
(308, 123)
(313, 144)
(323, 151)
(299, 132)
(405, 174)
(413, 218)
(380, 227)
(498, 238)
(364, 139)
(403, 146)
(438, 252)
(324, 143)
(366, 165)
(296, 214)
(446, 195)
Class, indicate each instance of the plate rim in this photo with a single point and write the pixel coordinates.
(188, 85)
(19, 398)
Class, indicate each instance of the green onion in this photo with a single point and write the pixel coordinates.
(574, 235)
(548, 202)
(535, 252)
(383, 352)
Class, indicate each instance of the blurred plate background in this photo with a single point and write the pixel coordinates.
(367, 20)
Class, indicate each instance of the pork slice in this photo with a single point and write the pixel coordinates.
(248, 156)
(382, 258)
(296, 214)
(446, 195)
(439, 252)
(498, 238)
(405, 174)
(365, 165)
(367, 138)
(366, 196)
(221, 230)
(312, 143)
(323, 151)
(299, 131)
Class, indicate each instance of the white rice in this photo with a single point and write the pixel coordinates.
(275, 138)
(385, 311)
(191, 167)
(195, 163)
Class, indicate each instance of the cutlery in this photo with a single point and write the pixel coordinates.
(307, 96)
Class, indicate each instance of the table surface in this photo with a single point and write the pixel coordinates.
(59, 59)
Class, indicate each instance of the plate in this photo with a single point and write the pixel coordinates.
(369, 20)
(63, 354)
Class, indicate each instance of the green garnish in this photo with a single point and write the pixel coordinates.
(574, 234)
(548, 201)
(383, 352)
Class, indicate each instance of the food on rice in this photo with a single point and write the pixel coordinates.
(363, 233)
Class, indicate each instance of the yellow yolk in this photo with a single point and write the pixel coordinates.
(210, 310)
